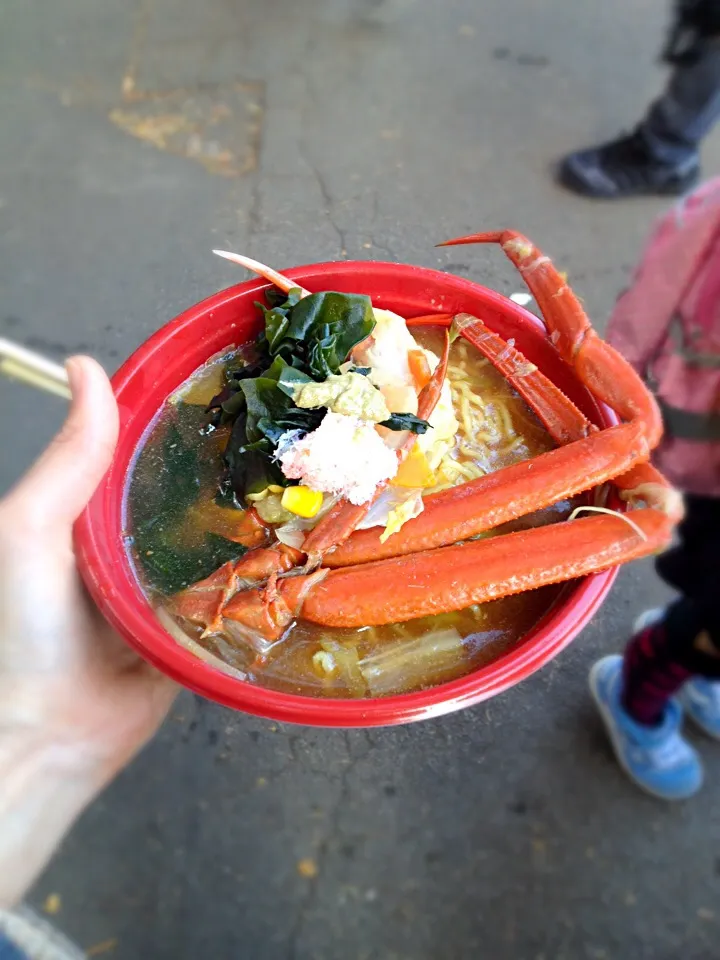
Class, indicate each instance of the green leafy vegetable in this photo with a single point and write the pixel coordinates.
(277, 318)
(290, 378)
(269, 409)
(170, 474)
(251, 368)
(329, 325)
(250, 465)
(253, 472)
(304, 341)
(264, 400)
(406, 421)
(182, 469)
(227, 404)
(276, 297)
(169, 567)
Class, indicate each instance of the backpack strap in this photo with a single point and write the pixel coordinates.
(686, 425)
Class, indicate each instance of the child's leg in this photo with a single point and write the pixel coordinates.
(688, 566)
(660, 659)
(634, 694)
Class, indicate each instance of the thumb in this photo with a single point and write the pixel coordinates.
(62, 481)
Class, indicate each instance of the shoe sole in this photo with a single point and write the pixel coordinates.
(610, 728)
(568, 180)
(712, 734)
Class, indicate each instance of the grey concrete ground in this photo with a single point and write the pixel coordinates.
(135, 137)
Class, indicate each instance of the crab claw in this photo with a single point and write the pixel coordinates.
(203, 602)
(262, 611)
(254, 266)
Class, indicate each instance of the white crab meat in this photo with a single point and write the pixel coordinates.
(386, 352)
(343, 456)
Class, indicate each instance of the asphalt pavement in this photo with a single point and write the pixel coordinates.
(136, 136)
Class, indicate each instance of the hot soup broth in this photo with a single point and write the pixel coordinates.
(177, 530)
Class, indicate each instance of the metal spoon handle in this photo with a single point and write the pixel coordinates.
(32, 368)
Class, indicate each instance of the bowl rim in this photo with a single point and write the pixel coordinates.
(556, 629)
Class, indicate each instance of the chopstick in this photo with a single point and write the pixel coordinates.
(32, 368)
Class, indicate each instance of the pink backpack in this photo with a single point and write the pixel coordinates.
(667, 325)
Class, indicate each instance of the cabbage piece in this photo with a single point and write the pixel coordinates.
(271, 510)
(351, 394)
(408, 510)
(407, 664)
(338, 661)
(394, 507)
(293, 532)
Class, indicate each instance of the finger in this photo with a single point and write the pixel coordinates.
(58, 487)
(162, 690)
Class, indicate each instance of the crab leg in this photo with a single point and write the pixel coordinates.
(203, 602)
(603, 370)
(479, 505)
(561, 418)
(564, 422)
(453, 578)
(644, 484)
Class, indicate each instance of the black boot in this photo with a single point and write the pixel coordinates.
(625, 168)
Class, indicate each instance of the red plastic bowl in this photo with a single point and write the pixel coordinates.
(158, 368)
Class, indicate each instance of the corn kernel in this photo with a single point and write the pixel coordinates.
(302, 501)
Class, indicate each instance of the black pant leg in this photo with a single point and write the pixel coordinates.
(693, 566)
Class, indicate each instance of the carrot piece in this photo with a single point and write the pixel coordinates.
(419, 368)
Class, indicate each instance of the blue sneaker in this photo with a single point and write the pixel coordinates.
(700, 699)
(657, 759)
(648, 619)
